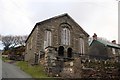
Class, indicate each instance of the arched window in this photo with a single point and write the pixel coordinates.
(65, 36)
(61, 51)
(69, 52)
(81, 45)
(47, 38)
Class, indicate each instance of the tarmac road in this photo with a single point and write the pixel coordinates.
(12, 71)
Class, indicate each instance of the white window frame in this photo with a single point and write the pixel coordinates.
(47, 39)
(82, 45)
(31, 42)
(113, 51)
(27, 46)
(65, 36)
(118, 51)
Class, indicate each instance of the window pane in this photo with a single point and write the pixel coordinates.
(113, 50)
(66, 41)
(81, 41)
(47, 40)
(83, 46)
(65, 36)
(69, 37)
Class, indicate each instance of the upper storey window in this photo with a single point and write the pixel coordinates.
(113, 50)
(65, 36)
(81, 45)
(47, 38)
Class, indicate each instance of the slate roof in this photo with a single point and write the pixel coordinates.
(106, 43)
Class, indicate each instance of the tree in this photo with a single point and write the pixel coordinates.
(7, 41)
(10, 41)
(22, 39)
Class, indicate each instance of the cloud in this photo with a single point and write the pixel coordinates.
(14, 19)
(18, 17)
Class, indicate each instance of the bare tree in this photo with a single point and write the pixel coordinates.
(7, 41)
(13, 41)
(22, 39)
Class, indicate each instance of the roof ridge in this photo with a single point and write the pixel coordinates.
(64, 14)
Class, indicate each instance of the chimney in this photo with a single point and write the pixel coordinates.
(114, 41)
(94, 36)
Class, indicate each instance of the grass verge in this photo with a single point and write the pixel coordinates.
(5, 59)
(35, 71)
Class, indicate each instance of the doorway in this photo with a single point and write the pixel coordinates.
(69, 52)
(61, 51)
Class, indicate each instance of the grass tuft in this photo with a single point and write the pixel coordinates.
(5, 59)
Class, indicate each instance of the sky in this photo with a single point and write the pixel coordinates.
(18, 17)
